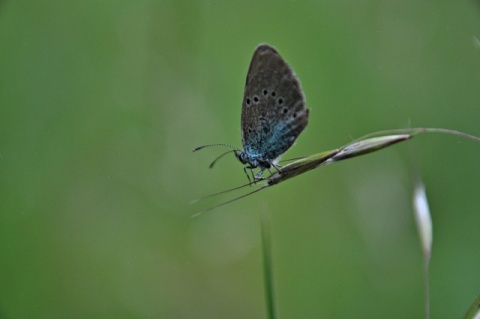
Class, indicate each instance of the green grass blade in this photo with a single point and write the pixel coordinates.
(367, 144)
(267, 266)
(474, 311)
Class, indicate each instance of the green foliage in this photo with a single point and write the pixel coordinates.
(101, 103)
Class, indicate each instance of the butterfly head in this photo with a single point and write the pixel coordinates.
(244, 158)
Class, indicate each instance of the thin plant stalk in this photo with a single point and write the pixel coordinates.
(267, 266)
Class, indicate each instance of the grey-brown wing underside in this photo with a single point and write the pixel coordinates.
(273, 110)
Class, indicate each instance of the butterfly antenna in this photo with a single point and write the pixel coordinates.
(219, 157)
(218, 144)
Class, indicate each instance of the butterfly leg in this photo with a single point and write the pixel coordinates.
(277, 167)
(246, 173)
(255, 178)
(258, 176)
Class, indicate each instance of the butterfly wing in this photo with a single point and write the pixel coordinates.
(273, 110)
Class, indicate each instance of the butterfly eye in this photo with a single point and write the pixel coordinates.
(280, 101)
(255, 99)
(285, 110)
(295, 115)
(265, 92)
(274, 94)
(248, 101)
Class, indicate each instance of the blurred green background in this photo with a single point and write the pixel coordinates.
(101, 103)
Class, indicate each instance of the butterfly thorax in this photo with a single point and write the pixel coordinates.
(252, 160)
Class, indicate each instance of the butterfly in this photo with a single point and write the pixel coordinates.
(273, 112)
